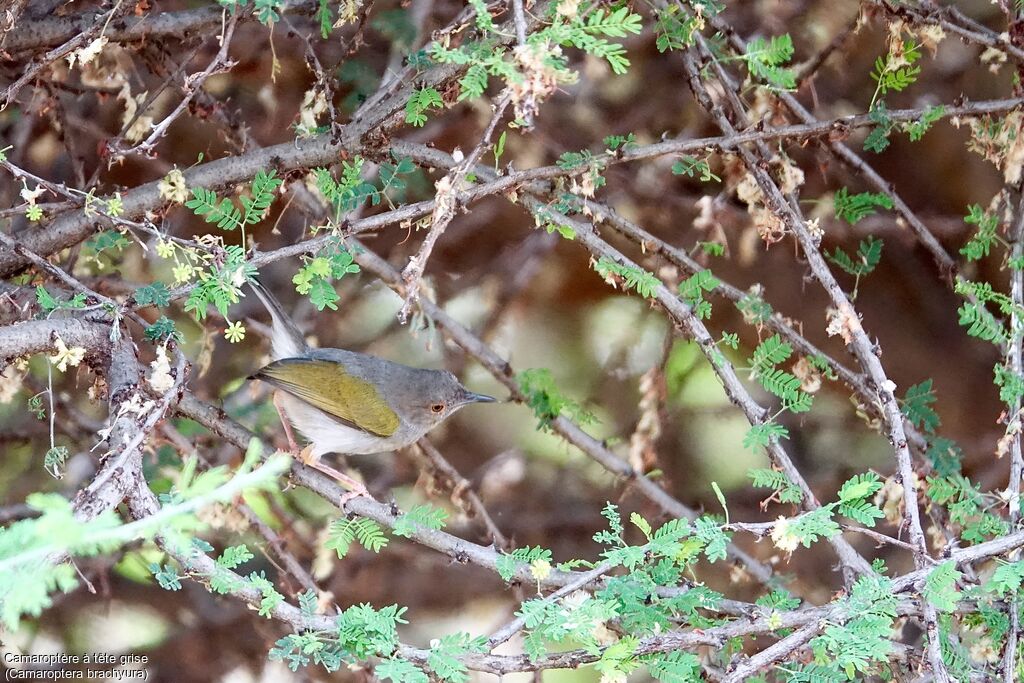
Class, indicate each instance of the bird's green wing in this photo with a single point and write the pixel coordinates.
(329, 387)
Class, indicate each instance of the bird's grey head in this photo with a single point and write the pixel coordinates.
(436, 396)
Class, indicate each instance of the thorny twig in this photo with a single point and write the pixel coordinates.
(192, 85)
(1015, 360)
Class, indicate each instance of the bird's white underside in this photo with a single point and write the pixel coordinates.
(327, 434)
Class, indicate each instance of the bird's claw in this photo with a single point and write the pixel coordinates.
(357, 492)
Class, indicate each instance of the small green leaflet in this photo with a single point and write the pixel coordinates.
(49, 304)
(765, 59)
(508, 562)
(869, 253)
(419, 103)
(769, 353)
(642, 282)
(854, 207)
(545, 398)
(878, 139)
(155, 294)
(896, 72)
(694, 168)
(425, 516)
(344, 532)
(692, 291)
(940, 586)
(917, 406)
(782, 488)
(760, 436)
(980, 323)
(917, 129)
(982, 240)
(225, 214)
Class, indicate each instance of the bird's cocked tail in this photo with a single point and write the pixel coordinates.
(286, 340)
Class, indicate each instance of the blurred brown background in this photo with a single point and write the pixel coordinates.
(541, 306)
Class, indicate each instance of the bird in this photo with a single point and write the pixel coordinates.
(348, 402)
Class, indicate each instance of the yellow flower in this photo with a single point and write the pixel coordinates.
(235, 332)
(540, 569)
(182, 273)
(172, 187)
(165, 249)
(783, 536)
(65, 356)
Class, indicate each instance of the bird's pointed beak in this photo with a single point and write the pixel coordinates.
(479, 398)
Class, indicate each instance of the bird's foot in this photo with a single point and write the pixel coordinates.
(358, 491)
(356, 488)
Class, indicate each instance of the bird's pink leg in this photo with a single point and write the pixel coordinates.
(292, 446)
(356, 488)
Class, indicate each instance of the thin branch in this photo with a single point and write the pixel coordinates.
(156, 26)
(1015, 360)
(445, 204)
(33, 70)
(192, 85)
(461, 491)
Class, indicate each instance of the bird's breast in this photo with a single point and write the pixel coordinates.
(328, 435)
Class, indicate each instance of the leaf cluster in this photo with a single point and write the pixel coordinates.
(543, 396)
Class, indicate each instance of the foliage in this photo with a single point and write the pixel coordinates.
(508, 562)
(983, 240)
(692, 291)
(865, 635)
(755, 310)
(878, 139)
(49, 304)
(417, 95)
(782, 384)
(425, 516)
(225, 214)
(546, 400)
(782, 487)
(854, 207)
(765, 58)
(642, 282)
(315, 278)
(896, 71)
(588, 30)
(917, 406)
(28, 576)
(868, 255)
(917, 129)
(344, 532)
(694, 168)
(360, 632)
(220, 287)
(420, 102)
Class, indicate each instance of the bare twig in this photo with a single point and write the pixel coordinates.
(192, 85)
(461, 492)
(1015, 360)
(445, 204)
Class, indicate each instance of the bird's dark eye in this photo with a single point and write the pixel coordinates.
(437, 408)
